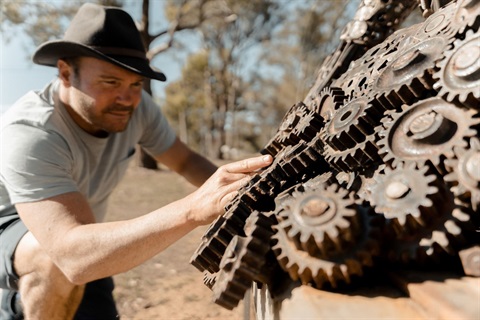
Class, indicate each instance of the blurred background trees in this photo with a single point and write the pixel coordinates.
(247, 61)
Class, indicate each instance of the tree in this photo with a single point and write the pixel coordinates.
(228, 37)
(46, 20)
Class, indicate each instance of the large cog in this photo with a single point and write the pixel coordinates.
(459, 74)
(406, 75)
(427, 130)
(318, 218)
(321, 271)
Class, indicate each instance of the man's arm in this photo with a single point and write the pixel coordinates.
(65, 227)
(186, 162)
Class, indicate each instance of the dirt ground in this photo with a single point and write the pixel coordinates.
(167, 286)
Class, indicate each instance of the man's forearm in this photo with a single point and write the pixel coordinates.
(114, 247)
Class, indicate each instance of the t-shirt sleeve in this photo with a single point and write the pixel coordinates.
(34, 164)
(157, 135)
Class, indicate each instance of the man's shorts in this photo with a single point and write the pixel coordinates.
(97, 302)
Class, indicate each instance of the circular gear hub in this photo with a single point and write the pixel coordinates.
(352, 123)
(406, 195)
(319, 220)
(425, 131)
(459, 74)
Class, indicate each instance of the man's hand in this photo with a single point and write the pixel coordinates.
(210, 199)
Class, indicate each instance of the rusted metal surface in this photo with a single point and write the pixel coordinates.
(377, 170)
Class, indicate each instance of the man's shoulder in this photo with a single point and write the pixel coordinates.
(32, 109)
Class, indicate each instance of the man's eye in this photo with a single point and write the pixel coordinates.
(138, 84)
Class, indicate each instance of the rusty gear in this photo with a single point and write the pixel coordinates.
(352, 123)
(407, 75)
(407, 195)
(322, 271)
(383, 149)
(459, 74)
(318, 219)
(439, 23)
(354, 158)
(328, 102)
(427, 130)
(285, 135)
(208, 255)
(465, 173)
(448, 232)
(467, 14)
(243, 261)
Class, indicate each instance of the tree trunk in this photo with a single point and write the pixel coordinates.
(145, 160)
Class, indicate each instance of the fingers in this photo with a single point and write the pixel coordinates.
(249, 165)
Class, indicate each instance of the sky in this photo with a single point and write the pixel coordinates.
(18, 74)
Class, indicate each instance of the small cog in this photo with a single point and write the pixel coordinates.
(465, 173)
(352, 123)
(406, 195)
(318, 218)
(328, 101)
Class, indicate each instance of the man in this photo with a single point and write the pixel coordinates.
(65, 148)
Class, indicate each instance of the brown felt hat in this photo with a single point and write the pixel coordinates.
(106, 33)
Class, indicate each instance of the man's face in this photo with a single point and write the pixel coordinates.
(103, 96)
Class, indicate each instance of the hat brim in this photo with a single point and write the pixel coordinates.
(48, 54)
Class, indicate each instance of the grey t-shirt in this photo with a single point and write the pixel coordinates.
(44, 153)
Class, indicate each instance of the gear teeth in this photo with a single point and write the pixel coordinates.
(444, 126)
(406, 76)
(450, 231)
(467, 15)
(352, 123)
(243, 261)
(285, 135)
(464, 173)
(459, 74)
(323, 271)
(328, 101)
(407, 195)
(352, 159)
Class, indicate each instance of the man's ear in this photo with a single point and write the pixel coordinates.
(65, 72)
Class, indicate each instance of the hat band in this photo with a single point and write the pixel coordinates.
(121, 52)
